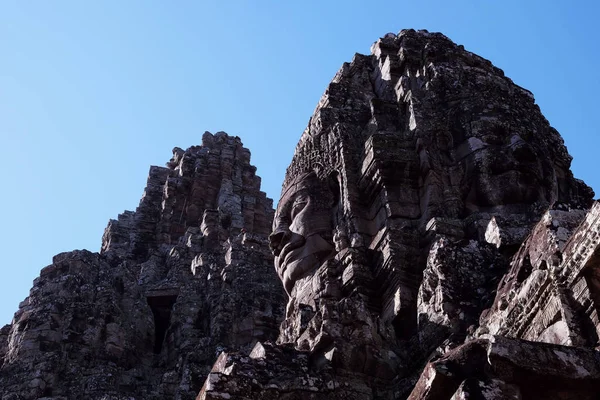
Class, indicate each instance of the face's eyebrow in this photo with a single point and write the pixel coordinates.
(285, 195)
(301, 197)
(285, 204)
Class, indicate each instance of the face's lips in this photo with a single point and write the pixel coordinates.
(301, 256)
(292, 258)
(281, 264)
(288, 252)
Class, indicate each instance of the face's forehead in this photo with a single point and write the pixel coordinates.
(301, 183)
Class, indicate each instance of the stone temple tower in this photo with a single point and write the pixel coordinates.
(422, 172)
(187, 275)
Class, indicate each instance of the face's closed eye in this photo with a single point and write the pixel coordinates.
(299, 204)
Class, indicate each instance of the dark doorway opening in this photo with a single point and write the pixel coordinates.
(161, 307)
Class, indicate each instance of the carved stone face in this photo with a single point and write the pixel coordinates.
(503, 173)
(302, 229)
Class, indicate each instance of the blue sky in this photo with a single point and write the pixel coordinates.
(94, 92)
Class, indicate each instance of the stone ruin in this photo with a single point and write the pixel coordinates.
(186, 276)
(430, 237)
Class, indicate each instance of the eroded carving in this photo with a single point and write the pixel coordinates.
(420, 173)
(302, 229)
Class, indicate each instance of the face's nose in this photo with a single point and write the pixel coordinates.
(278, 239)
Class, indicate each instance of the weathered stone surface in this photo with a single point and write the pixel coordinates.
(502, 368)
(187, 275)
(543, 297)
(277, 372)
(421, 172)
(549, 295)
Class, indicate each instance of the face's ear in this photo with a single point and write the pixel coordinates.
(334, 183)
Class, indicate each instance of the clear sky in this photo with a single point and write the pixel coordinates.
(94, 92)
